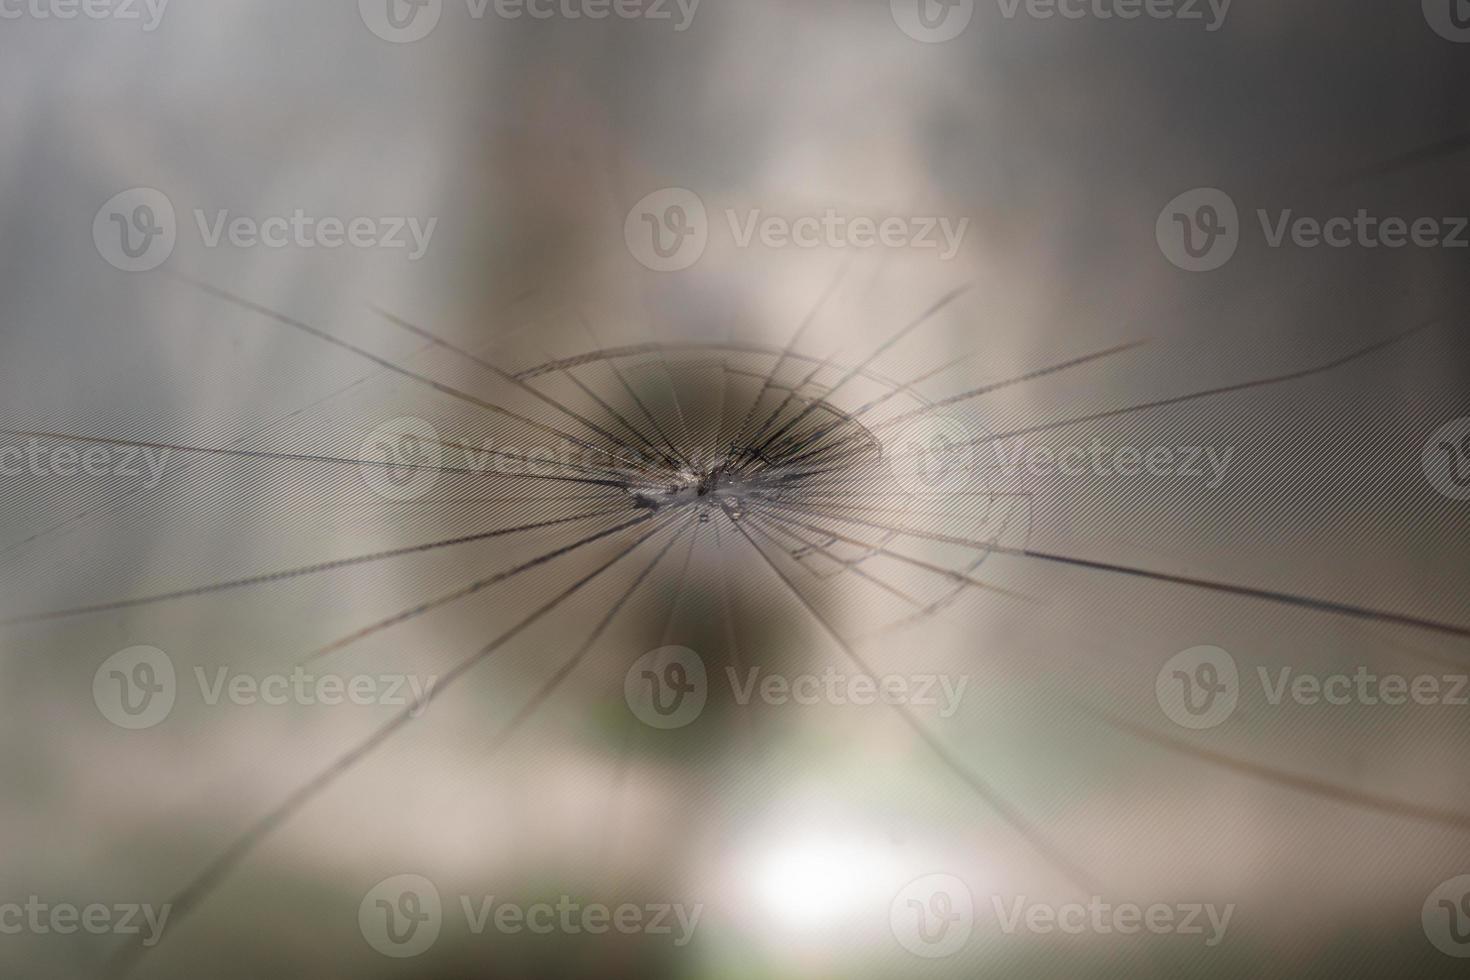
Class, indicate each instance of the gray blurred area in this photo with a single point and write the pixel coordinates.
(258, 387)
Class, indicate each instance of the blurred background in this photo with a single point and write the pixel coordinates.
(563, 204)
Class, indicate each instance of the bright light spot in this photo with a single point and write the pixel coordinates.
(817, 882)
